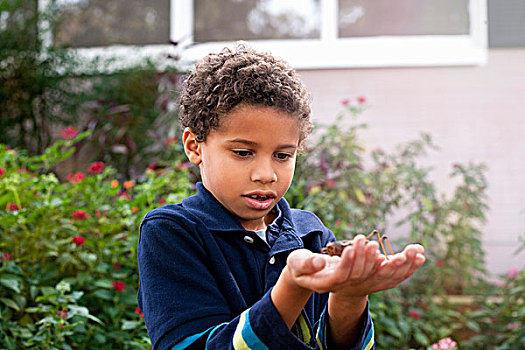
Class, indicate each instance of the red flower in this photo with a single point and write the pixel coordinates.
(338, 222)
(79, 215)
(361, 99)
(118, 285)
(153, 166)
(415, 315)
(117, 266)
(2, 172)
(78, 240)
(12, 207)
(6, 257)
(137, 311)
(125, 194)
(330, 183)
(170, 141)
(76, 177)
(134, 210)
(345, 102)
(97, 167)
(162, 201)
(63, 314)
(69, 133)
(440, 263)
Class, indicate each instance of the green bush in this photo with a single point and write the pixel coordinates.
(68, 273)
(68, 269)
(354, 191)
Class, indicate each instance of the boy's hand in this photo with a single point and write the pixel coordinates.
(361, 270)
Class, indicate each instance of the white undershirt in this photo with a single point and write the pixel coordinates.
(262, 234)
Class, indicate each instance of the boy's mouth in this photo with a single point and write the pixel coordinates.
(259, 200)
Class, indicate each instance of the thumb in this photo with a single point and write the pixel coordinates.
(304, 262)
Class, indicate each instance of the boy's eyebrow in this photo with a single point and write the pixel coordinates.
(252, 143)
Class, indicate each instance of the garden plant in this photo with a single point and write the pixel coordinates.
(68, 269)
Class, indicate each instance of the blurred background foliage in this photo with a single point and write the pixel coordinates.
(43, 89)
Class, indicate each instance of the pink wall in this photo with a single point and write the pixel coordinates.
(473, 114)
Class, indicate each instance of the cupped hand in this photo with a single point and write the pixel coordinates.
(361, 270)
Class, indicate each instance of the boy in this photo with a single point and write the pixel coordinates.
(234, 267)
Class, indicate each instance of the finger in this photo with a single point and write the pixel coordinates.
(372, 255)
(359, 256)
(419, 260)
(304, 262)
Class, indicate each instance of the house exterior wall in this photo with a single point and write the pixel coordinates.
(474, 114)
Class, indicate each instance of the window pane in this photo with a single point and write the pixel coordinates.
(229, 20)
(361, 18)
(83, 23)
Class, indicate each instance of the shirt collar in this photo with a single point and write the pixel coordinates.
(217, 218)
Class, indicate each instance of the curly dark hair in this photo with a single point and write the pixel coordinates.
(224, 80)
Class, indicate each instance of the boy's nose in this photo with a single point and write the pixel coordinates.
(264, 172)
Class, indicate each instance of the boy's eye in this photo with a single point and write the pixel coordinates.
(283, 156)
(242, 153)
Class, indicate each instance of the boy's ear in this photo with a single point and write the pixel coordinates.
(192, 148)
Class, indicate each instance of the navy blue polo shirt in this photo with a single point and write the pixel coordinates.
(205, 281)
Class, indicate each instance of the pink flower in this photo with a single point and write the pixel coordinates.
(170, 141)
(162, 201)
(79, 215)
(345, 102)
(153, 166)
(75, 177)
(2, 172)
(440, 263)
(6, 257)
(97, 167)
(415, 315)
(183, 165)
(69, 133)
(12, 207)
(137, 311)
(361, 99)
(514, 325)
(338, 222)
(63, 314)
(445, 343)
(78, 241)
(118, 285)
(513, 273)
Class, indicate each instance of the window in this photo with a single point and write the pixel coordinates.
(310, 34)
(339, 33)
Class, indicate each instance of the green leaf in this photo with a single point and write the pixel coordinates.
(10, 303)
(103, 294)
(11, 283)
(127, 325)
(360, 196)
(427, 203)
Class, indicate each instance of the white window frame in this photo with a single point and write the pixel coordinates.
(327, 52)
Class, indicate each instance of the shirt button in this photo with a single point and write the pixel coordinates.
(248, 239)
(272, 260)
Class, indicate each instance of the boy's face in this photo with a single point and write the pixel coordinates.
(248, 162)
